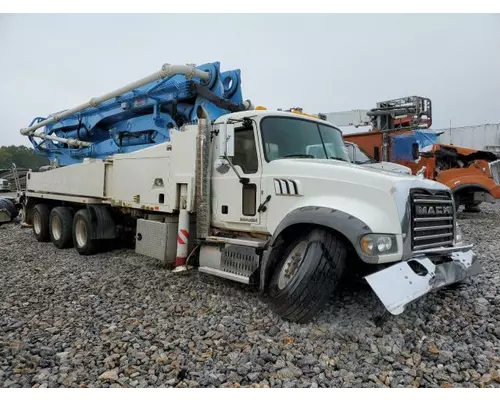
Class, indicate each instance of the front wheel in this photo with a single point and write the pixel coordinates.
(473, 207)
(309, 272)
(456, 199)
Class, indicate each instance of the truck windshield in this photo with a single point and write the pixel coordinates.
(289, 137)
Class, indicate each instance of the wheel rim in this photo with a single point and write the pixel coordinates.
(37, 223)
(292, 264)
(81, 233)
(56, 228)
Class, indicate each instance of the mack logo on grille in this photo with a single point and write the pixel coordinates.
(434, 210)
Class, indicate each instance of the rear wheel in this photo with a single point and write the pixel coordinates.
(9, 206)
(82, 228)
(41, 214)
(61, 227)
(309, 272)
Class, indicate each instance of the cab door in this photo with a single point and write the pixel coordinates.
(235, 201)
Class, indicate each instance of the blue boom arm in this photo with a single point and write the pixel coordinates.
(140, 117)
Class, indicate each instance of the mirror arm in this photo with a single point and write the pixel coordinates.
(225, 139)
(242, 180)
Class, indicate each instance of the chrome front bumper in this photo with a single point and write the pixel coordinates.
(406, 281)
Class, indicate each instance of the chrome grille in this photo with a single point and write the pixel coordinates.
(495, 171)
(432, 222)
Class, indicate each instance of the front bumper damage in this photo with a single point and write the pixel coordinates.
(401, 283)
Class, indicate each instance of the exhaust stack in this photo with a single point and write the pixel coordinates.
(202, 175)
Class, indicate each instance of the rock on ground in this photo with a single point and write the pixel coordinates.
(122, 320)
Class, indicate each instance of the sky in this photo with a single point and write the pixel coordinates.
(320, 62)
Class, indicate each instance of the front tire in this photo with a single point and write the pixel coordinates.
(61, 227)
(473, 207)
(82, 228)
(309, 272)
(456, 199)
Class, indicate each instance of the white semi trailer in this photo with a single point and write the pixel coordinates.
(260, 197)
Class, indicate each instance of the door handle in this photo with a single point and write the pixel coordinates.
(263, 206)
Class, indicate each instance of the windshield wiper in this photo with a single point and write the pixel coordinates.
(337, 158)
(299, 156)
(367, 162)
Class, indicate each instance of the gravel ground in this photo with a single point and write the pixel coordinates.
(119, 319)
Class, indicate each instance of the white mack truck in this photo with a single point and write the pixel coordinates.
(261, 197)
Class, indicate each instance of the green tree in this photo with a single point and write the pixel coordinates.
(22, 156)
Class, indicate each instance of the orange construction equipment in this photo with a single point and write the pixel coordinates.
(401, 135)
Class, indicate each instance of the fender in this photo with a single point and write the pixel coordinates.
(466, 180)
(476, 188)
(470, 186)
(348, 225)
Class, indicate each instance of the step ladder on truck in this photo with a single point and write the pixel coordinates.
(204, 179)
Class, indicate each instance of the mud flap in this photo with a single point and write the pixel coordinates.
(406, 281)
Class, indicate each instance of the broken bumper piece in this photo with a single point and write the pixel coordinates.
(406, 281)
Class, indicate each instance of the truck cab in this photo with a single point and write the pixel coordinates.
(288, 180)
(4, 185)
(269, 150)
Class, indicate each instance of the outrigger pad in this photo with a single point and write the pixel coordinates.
(406, 281)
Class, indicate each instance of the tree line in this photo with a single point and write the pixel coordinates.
(22, 156)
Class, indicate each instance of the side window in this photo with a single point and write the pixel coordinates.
(245, 151)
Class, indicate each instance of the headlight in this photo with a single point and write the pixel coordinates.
(458, 234)
(375, 243)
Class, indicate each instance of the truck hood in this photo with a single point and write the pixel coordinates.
(335, 170)
(378, 198)
(388, 166)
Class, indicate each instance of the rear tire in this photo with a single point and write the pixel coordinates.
(61, 227)
(41, 214)
(9, 206)
(82, 228)
(308, 273)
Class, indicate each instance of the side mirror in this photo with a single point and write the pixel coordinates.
(376, 153)
(414, 151)
(349, 149)
(226, 140)
(353, 154)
